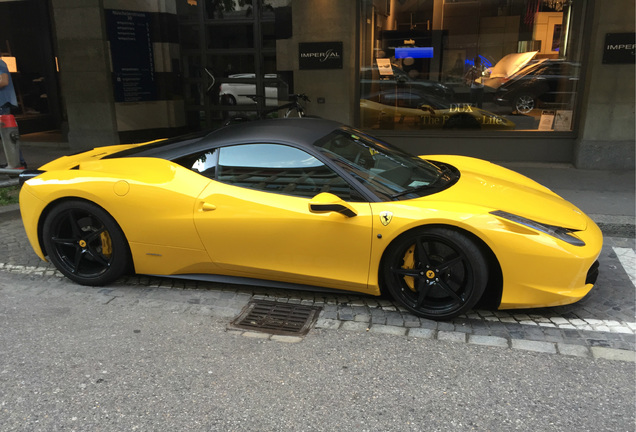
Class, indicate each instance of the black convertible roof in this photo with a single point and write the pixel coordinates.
(298, 131)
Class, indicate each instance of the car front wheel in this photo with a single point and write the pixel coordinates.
(524, 104)
(436, 273)
(85, 243)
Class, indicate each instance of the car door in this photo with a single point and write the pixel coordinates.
(255, 221)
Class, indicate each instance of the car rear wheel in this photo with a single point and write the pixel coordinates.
(524, 104)
(230, 100)
(85, 243)
(436, 273)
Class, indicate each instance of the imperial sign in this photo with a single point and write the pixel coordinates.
(320, 55)
(619, 48)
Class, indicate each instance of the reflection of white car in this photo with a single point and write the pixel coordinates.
(239, 93)
(507, 67)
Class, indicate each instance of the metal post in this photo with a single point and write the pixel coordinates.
(11, 143)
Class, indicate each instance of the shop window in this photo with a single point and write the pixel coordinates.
(482, 65)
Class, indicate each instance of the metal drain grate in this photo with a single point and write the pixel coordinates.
(277, 318)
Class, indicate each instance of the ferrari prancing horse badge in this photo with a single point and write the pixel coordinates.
(385, 217)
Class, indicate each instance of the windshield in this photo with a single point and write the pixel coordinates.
(387, 171)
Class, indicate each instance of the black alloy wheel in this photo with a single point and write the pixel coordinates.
(436, 273)
(85, 243)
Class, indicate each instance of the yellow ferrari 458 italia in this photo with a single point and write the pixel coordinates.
(310, 203)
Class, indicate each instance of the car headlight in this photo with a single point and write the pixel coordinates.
(558, 232)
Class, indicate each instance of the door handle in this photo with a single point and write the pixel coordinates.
(207, 207)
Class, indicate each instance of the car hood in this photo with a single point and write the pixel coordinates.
(506, 67)
(494, 187)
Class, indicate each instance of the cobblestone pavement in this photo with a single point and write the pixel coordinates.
(601, 323)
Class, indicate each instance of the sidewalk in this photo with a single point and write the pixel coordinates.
(606, 196)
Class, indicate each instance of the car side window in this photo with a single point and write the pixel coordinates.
(280, 169)
(205, 164)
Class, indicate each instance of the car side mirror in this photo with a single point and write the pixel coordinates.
(327, 203)
(428, 109)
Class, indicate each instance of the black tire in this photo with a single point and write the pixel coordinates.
(524, 103)
(436, 273)
(228, 100)
(85, 243)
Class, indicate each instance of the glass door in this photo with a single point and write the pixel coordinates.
(228, 55)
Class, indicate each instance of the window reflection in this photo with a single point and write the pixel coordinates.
(495, 65)
(280, 169)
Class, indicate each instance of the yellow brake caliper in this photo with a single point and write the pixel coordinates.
(107, 244)
(409, 263)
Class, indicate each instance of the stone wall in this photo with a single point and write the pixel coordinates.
(324, 21)
(85, 76)
(607, 132)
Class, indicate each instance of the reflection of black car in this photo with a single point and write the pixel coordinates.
(371, 81)
(408, 98)
(429, 112)
(545, 83)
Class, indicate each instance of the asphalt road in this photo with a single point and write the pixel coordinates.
(73, 358)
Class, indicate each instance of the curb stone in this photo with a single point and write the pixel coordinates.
(488, 340)
(355, 326)
(423, 333)
(613, 354)
(573, 350)
(451, 336)
(388, 329)
(537, 346)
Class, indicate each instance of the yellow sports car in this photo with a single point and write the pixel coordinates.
(308, 203)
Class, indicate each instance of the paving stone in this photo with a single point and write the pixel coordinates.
(326, 323)
(451, 336)
(531, 345)
(345, 315)
(377, 313)
(463, 328)
(333, 315)
(423, 333)
(375, 319)
(388, 329)
(395, 320)
(483, 331)
(488, 340)
(429, 324)
(411, 322)
(445, 326)
(362, 318)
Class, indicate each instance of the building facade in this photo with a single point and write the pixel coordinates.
(504, 80)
